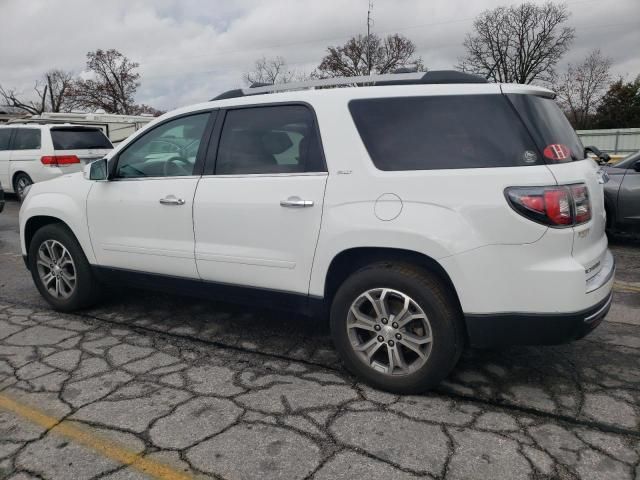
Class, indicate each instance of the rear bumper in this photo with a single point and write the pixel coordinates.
(502, 329)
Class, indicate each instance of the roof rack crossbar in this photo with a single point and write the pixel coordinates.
(431, 77)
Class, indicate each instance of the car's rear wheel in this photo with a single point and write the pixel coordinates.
(60, 269)
(397, 327)
(20, 183)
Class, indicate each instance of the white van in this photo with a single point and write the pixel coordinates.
(33, 153)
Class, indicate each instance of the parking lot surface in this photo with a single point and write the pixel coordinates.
(152, 385)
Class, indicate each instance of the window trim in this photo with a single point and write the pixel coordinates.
(211, 160)
(214, 114)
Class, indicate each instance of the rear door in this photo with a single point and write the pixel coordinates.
(87, 143)
(564, 155)
(5, 156)
(257, 212)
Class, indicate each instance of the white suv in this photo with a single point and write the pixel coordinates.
(34, 153)
(421, 213)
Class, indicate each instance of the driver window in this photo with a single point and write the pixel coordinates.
(166, 151)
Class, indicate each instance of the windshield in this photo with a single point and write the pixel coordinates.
(79, 139)
(627, 161)
(552, 132)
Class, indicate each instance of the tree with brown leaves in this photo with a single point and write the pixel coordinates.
(112, 84)
(370, 54)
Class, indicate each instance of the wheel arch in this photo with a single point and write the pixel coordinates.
(35, 223)
(13, 178)
(350, 260)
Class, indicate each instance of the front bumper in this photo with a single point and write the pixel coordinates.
(504, 329)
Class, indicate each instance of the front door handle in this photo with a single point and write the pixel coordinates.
(171, 200)
(296, 202)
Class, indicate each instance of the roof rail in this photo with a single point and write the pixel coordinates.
(416, 78)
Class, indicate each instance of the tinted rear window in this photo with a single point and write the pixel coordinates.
(548, 125)
(426, 133)
(79, 139)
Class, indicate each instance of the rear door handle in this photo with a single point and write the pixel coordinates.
(171, 200)
(296, 202)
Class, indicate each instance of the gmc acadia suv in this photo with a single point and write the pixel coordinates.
(421, 212)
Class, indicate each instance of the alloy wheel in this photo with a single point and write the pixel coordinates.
(56, 269)
(389, 331)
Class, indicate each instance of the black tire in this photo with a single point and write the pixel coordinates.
(20, 181)
(431, 296)
(86, 291)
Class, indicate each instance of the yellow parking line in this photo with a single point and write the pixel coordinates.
(101, 445)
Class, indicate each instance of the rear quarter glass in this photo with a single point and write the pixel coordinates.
(549, 127)
(443, 132)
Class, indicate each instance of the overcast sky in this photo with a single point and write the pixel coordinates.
(191, 50)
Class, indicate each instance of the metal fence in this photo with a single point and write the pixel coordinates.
(614, 141)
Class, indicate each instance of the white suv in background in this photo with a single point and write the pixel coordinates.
(421, 212)
(34, 153)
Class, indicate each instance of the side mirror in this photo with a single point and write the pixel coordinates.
(602, 156)
(97, 171)
(636, 166)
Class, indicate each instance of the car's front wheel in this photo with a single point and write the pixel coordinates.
(397, 327)
(60, 269)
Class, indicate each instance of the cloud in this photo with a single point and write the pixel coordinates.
(191, 50)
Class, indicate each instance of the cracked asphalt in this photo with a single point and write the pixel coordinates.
(158, 386)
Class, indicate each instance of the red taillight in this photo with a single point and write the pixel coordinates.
(557, 203)
(57, 160)
(558, 206)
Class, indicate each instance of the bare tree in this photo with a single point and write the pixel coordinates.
(269, 70)
(143, 109)
(582, 86)
(113, 84)
(34, 107)
(58, 83)
(521, 43)
(365, 54)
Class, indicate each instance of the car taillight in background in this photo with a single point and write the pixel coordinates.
(557, 206)
(59, 160)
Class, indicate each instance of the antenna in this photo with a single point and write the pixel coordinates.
(369, 23)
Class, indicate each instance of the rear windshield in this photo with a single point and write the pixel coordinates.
(79, 139)
(549, 127)
(443, 132)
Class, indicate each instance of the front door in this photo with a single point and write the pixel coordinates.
(141, 220)
(257, 215)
